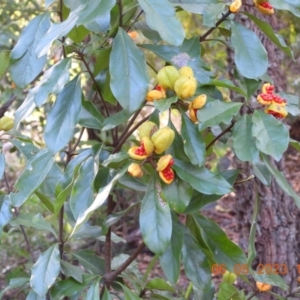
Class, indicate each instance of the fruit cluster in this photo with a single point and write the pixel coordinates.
(153, 140)
(275, 104)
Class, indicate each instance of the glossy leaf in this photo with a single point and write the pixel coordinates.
(56, 31)
(26, 147)
(211, 14)
(5, 211)
(34, 296)
(268, 31)
(229, 85)
(160, 16)
(126, 58)
(132, 183)
(93, 291)
(170, 259)
(53, 81)
(273, 279)
(178, 194)
(2, 165)
(115, 120)
(194, 146)
(14, 283)
(262, 173)
(82, 194)
(228, 292)
(155, 219)
(106, 295)
(99, 200)
(91, 262)
(293, 103)
(45, 270)
(271, 136)
(215, 112)
(36, 221)
(195, 262)
(202, 179)
(194, 6)
(207, 293)
(159, 284)
(281, 180)
(25, 65)
(64, 116)
(70, 270)
(25, 110)
(250, 56)
(129, 294)
(164, 104)
(90, 116)
(31, 178)
(224, 251)
(287, 5)
(68, 287)
(243, 141)
(4, 61)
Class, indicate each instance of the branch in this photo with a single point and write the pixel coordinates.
(134, 21)
(220, 135)
(209, 31)
(7, 104)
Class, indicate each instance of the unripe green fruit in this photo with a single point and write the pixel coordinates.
(162, 139)
(167, 76)
(185, 87)
(6, 123)
(229, 277)
(186, 71)
(147, 129)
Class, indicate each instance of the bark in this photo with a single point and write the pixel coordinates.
(276, 237)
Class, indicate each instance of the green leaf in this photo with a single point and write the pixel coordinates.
(195, 262)
(90, 116)
(268, 31)
(31, 178)
(93, 291)
(262, 173)
(129, 294)
(170, 259)
(194, 6)
(2, 165)
(188, 54)
(78, 33)
(56, 31)
(36, 221)
(178, 194)
(224, 251)
(281, 180)
(164, 104)
(26, 147)
(115, 120)
(149, 33)
(228, 292)
(128, 72)
(159, 284)
(106, 295)
(99, 200)
(114, 160)
(273, 279)
(286, 5)
(91, 262)
(250, 56)
(212, 13)
(215, 112)
(207, 293)
(25, 110)
(132, 183)
(243, 141)
(14, 283)
(33, 296)
(25, 65)
(82, 194)
(71, 271)
(53, 81)
(45, 270)
(155, 219)
(293, 103)
(68, 287)
(64, 116)
(227, 84)
(194, 146)
(4, 61)
(202, 179)
(272, 136)
(295, 144)
(5, 212)
(102, 60)
(160, 16)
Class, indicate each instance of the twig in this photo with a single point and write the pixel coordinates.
(220, 135)
(209, 31)
(120, 13)
(130, 123)
(61, 20)
(134, 21)
(78, 140)
(126, 136)
(7, 104)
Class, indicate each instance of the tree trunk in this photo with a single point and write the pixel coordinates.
(276, 237)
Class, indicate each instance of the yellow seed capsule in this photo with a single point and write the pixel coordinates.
(162, 139)
(276, 110)
(267, 88)
(143, 151)
(163, 162)
(263, 287)
(155, 95)
(193, 115)
(264, 7)
(135, 170)
(186, 71)
(185, 87)
(6, 123)
(167, 76)
(199, 101)
(147, 129)
(235, 6)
